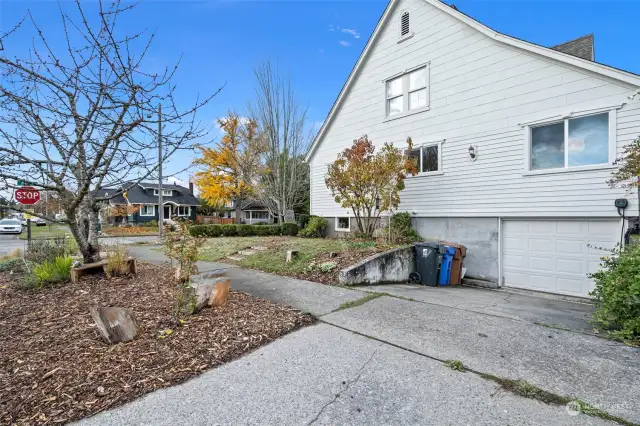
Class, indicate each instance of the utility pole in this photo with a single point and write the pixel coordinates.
(160, 200)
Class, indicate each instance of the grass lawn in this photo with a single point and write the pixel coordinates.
(46, 231)
(312, 252)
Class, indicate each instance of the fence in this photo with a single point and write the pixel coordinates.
(214, 220)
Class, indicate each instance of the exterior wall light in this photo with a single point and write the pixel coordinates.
(472, 152)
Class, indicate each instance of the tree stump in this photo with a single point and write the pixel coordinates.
(115, 324)
(291, 254)
(220, 295)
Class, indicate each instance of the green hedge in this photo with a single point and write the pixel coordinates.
(290, 229)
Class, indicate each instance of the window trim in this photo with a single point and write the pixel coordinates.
(153, 209)
(188, 209)
(435, 172)
(157, 192)
(404, 75)
(342, 229)
(565, 120)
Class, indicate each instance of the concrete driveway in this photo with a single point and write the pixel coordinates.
(382, 362)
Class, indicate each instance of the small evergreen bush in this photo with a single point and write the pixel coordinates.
(303, 219)
(315, 227)
(245, 230)
(55, 271)
(617, 293)
(229, 230)
(401, 229)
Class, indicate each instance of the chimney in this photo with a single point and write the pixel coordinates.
(190, 187)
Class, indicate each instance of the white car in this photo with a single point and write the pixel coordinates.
(10, 226)
(39, 221)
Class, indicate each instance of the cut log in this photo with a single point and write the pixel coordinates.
(220, 295)
(115, 324)
(291, 254)
(202, 293)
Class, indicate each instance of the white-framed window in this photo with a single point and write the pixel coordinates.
(404, 26)
(408, 92)
(148, 210)
(577, 142)
(428, 158)
(343, 223)
(165, 192)
(183, 210)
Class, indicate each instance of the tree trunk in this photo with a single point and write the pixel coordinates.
(238, 204)
(83, 224)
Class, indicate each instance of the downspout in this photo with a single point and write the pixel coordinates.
(499, 252)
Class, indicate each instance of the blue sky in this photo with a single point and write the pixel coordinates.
(318, 42)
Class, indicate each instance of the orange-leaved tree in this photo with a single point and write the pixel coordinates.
(229, 171)
(362, 179)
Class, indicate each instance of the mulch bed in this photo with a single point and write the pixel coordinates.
(55, 368)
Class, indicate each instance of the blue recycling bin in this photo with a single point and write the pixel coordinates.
(445, 268)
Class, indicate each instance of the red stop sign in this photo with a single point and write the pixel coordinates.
(27, 195)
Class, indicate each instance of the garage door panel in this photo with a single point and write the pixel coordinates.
(553, 255)
(539, 245)
(571, 266)
(576, 246)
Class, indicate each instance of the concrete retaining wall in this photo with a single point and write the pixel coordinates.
(393, 266)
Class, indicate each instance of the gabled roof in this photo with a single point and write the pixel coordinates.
(582, 47)
(605, 70)
(142, 193)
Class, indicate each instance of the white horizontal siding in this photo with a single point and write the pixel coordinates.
(480, 91)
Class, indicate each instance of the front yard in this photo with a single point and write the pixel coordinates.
(317, 259)
(55, 367)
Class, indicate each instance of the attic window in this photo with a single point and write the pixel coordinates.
(405, 28)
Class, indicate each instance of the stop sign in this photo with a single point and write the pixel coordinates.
(27, 195)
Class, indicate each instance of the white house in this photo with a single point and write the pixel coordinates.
(516, 142)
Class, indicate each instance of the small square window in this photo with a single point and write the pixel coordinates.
(409, 92)
(426, 158)
(342, 224)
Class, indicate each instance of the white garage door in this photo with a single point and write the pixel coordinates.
(553, 256)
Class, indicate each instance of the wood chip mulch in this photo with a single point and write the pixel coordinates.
(55, 368)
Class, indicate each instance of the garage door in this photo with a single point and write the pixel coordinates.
(553, 255)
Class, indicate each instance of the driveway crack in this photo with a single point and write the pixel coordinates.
(346, 386)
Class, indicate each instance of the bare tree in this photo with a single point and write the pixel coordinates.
(84, 117)
(282, 123)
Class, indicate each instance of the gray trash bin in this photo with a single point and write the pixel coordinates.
(428, 260)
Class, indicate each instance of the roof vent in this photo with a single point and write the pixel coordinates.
(404, 24)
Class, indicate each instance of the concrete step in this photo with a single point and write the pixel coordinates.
(235, 257)
(259, 248)
(246, 252)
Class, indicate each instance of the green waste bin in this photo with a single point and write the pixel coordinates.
(428, 261)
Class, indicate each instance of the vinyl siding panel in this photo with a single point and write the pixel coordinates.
(480, 91)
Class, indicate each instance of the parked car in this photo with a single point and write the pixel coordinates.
(10, 226)
(39, 221)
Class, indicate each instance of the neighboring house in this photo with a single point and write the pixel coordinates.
(515, 142)
(254, 212)
(141, 201)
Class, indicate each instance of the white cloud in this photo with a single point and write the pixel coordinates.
(344, 43)
(243, 121)
(354, 33)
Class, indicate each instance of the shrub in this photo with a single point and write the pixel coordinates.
(151, 224)
(303, 219)
(229, 230)
(205, 230)
(262, 230)
(245, 230)
(617, 293)
(14, 265)
(315, 227)
(55, 271)
(117, 257)
(290, 229)
(41, 251)
(401, 230)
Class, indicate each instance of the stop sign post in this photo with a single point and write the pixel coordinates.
(27, 195)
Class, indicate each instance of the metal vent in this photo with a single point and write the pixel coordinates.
(404, 24)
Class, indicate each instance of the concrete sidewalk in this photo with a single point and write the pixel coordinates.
(324, 375)
(382, 362)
